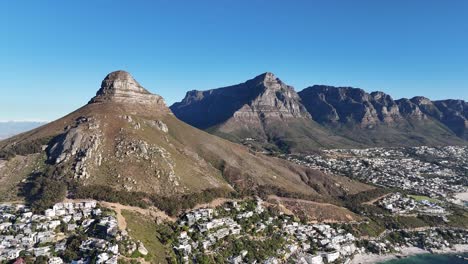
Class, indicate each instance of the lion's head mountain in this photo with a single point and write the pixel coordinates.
(127, 140)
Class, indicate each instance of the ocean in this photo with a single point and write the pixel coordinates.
(431, 259)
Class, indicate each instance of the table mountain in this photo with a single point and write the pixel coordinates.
(262, 110)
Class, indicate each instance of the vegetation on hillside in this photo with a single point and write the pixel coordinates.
(146, 230)
(42, 191)
(171, 205)
(24, 148)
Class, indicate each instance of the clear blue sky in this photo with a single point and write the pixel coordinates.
(54, 54)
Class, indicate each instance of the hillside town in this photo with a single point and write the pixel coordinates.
(397, 203)
(248, 232)
(80, 232)
(208, 230)
(429, 171)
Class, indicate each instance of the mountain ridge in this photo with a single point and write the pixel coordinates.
(264, 108)
(350, 116)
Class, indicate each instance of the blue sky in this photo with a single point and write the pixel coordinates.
(54, 54)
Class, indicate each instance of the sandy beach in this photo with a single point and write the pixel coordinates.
(455, 249)
(462, 196)
(375, 258)
(405, 252)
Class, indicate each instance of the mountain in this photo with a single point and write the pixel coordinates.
(11, 128)
(452, 113)
(376, 119)
(266, 113)
(263, 110)
(127, 144)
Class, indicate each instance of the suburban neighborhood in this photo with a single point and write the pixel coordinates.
(71, 232)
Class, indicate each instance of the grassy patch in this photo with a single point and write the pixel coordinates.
(421, 198)
(142, 228)
(371, 229)
(410, 222)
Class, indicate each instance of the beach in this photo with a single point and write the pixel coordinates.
(462, 196)
(363, 258)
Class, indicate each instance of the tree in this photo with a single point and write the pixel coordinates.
(41, 260)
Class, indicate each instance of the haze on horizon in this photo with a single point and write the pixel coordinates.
(54, 54)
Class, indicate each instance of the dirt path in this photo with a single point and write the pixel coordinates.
(152, 212)
(316, 211)
(376, 199)
(274, 197)
(130, 260)
(215, 203)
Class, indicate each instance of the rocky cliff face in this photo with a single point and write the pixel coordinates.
(120, 87)
(345, 105)
(274, 100)
(452, 113)
(264, 109)
(329, 104)
(264, 96)
(376, 116)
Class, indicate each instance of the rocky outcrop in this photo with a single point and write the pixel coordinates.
(78, 144)
(120, 87)
(158, 124)
(275, 100)
(408, 109)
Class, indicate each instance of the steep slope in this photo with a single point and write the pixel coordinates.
(262, 110)
(376, 119)
(453, 114)
(127, 139)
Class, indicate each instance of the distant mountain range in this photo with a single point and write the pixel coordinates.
(11, 128)
(268, 113)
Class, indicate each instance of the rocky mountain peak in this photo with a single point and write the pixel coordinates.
(269, 81)
(420, 100)
(121, 87)
(267, 77)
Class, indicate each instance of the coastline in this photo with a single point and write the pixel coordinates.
(462, 196)
(366, 258)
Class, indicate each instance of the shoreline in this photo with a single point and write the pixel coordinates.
(462, 196)
(367, 258)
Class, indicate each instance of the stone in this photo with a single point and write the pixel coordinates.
(121, 87)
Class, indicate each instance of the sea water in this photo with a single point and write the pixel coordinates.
(432, 259)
